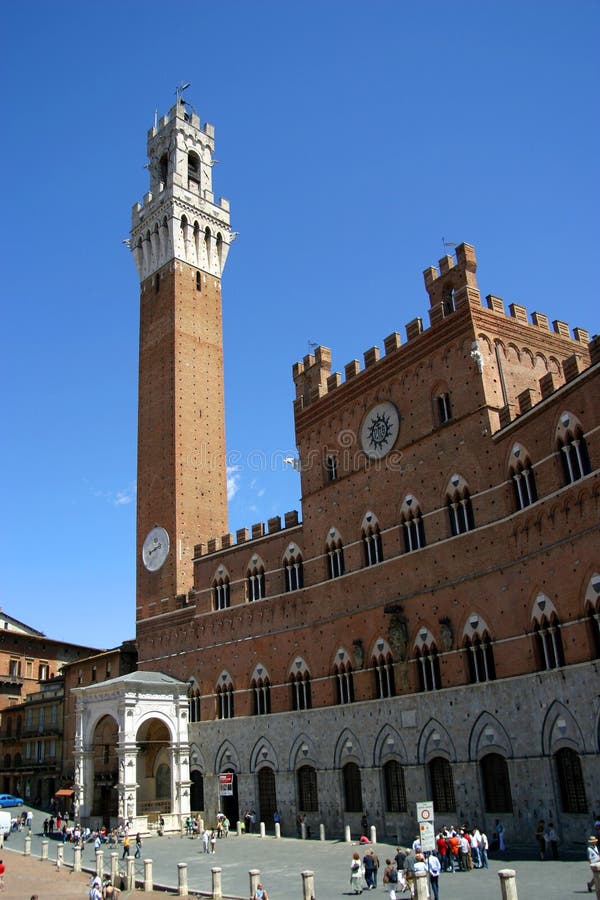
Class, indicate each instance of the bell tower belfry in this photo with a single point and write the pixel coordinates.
(180, 238)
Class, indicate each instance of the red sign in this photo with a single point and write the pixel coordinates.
(226, 784)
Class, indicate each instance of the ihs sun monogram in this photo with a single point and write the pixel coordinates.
(380, 431)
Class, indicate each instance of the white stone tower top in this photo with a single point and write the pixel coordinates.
(179, 218)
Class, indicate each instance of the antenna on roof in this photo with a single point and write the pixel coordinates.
(312, 345)
(448, 244)
(181, 88)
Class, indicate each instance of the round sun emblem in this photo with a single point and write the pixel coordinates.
(380, 430)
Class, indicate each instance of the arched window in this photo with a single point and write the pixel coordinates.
(267, 797)
(460, 509)
(335, 554)
(255, 582)
(207, 244)
(331, 468)
(523, 478)
(352, 788)
(197, 791)
(261, 690)
(163, 782)
(573, 449)
(225, 709)
(496, 784)
(193, 171)
(442, 785)
(198, 281)
(308, 795)
(164, 169)
(448, 300)
(480, 658)
(570, 779)
(592, 605)
(383, 670)
(395, 790)
(444, 410)
(548, 642)
(371, 537)
(413, 529)
(342, 671)
(293, 569)
(194, 703)
(300, 686)
(428, 664)
(221, 591)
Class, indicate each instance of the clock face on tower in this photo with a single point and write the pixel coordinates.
(155, 548)
(379, 430)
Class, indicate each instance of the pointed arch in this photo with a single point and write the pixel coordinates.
(221, 589)
(371, 539)
(523, 477)
(548, 645)
(260, 685)
(489, 735)
(561, 729)
(412, 526)
(334, 550)
(382, 664)
(263, 753)
(344, 678)
(572, 447)
(225, 696)
(255, 579)
(299, 676)
(435, 740)
(459, 506)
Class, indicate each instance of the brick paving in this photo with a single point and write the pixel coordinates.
(281, 862)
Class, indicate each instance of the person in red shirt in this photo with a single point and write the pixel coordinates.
(454, 847)
(442, 849)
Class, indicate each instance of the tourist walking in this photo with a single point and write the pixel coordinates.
(593, 856)
(356, 872)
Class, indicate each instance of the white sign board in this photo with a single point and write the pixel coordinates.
(426, 828)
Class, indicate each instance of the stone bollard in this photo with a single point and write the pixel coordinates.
(347, 836)
(277, 830)
(114, 868)
(99, 862)
(148, 879)
(44, 850)
(308, 885)
(182, 884)
(254, 880)
(321, 832)
(373, 835)
(130, 874)
(303, 831)
(239, 829)
(508, 884)
(217, 890)
(421, 892)
(27, 851)
(77, 859)
(263, 830)
(595, 867)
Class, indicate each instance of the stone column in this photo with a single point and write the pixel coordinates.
(347, 836)
(27, 850)
(373, 835)
(421, 885)
(508, 884)
(44, 854)
(595, 867)
(114, 868)
(99, 862)
(130, 876)
(77, 859)
(254, 880)
(217, 890)
(321, 832)
(148, 879)
(277, 830)
(308, 885)
(263, 830)
(182, 882)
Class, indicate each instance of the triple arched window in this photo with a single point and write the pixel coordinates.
(428, 664)
(480, 658)
(371, 537)
(293, 569)
(261, 690)
(547, 635)
(413, 529)
(460, 509)
(255, 581)
(335, 554)
(383, 670)
(225, 694)
(344, 679)
(221, 591)
(300, 686)
(523, 478)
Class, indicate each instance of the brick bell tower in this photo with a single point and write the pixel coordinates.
(180, 238)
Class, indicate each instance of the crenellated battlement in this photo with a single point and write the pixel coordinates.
(246, 536)
(452, 287)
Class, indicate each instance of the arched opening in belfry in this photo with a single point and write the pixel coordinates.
(154, 774)
(105, 770)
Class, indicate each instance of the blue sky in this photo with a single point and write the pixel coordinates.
(351, 138)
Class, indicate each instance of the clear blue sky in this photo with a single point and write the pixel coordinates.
(351, 138)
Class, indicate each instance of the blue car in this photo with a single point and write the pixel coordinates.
(9, 800)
